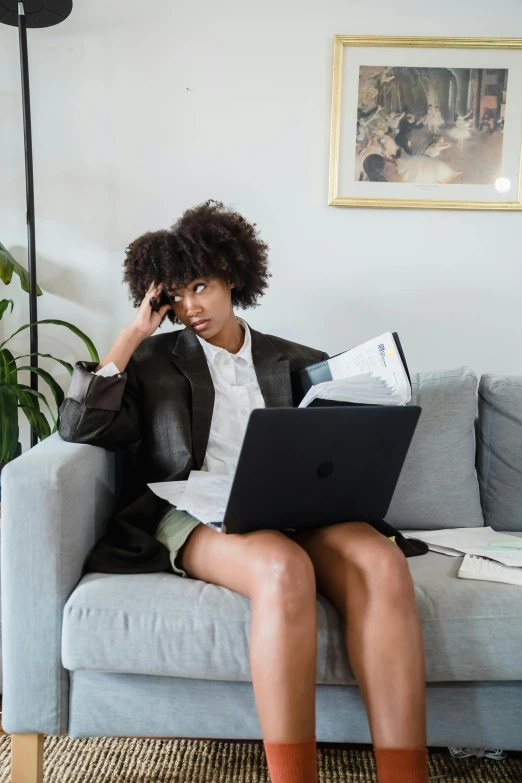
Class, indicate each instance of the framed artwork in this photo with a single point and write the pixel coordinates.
(431, 123)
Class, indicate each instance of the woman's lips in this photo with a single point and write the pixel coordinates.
(201, 326)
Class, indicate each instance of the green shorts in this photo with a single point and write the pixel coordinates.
(173, 530)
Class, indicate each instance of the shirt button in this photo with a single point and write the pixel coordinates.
(227, 362)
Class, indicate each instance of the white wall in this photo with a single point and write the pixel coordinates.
(142, 110)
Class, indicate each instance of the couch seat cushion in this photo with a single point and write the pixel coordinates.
(165, 624)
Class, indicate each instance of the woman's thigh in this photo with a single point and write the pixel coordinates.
(243, 562)
(337, 549)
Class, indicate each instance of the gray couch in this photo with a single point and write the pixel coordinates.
(161, 656)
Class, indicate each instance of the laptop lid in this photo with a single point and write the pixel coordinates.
(309, 467)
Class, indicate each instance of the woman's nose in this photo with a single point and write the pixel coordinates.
(192, 307)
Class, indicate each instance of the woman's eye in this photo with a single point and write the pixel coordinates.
(177, 298)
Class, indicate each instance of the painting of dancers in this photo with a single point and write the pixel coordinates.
(430, 125)
(426, 123)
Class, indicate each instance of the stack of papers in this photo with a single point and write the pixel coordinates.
(371, 374)
(204, 495)
(482, 568)
(482, 541)
(363, 389)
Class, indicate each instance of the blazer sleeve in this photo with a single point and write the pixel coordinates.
(101, 410)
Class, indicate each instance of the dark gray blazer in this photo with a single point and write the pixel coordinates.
(159, 411)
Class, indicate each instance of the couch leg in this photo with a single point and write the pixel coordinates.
(27, 757)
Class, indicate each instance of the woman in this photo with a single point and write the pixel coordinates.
(461, 131)
(437, 119)
(393, 121)
(209, 263)
(425, 167)
(389, 147)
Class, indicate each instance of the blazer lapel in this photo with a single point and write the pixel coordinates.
(272, 371)
(189, 357)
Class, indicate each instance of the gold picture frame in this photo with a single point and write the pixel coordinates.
(377, 199)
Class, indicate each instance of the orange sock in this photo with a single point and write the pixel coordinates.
(292, 762)
(402, 765)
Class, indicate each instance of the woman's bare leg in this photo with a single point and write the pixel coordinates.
(368, 579)
(278, 576)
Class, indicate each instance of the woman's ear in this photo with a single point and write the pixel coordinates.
(231, 285)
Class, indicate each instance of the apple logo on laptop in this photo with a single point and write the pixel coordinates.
(325, 469)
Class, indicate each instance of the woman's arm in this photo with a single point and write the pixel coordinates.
(105, 410)
(122, 349)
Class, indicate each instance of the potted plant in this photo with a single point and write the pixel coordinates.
(15, 395)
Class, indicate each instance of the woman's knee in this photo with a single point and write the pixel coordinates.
(381, 563)
(281, 569)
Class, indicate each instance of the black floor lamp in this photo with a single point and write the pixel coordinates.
(24, 14)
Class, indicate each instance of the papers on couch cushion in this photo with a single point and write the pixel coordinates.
(204, 495)
(483, 541)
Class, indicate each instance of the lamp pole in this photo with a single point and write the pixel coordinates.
(23, 14)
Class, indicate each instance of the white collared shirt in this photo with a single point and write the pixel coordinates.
(237, 394)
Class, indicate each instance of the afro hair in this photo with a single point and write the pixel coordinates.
(207, 241)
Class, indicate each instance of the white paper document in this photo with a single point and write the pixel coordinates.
(379, 357)
(371, 374)
(476, 567)
(363, 389)
(483, 541)
(169, 490)
(204, 495)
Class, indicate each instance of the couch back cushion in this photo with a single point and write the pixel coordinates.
(438, 486)
(499, 450)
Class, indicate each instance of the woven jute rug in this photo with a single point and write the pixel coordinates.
(130, 760)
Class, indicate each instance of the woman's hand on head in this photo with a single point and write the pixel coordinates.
(146, 320)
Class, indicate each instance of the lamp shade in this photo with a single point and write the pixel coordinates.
(38, 13)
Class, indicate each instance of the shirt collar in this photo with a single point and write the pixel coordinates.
(244, 353)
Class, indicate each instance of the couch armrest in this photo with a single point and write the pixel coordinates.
(56, 500)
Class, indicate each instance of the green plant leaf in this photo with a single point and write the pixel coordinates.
(8, 423)
(24, 398)
(8, 265)
(38, 422)
(8, 370)
(25, 401)
(88, 342)
(4, 304)
(53, 385)
(21, 387)
(68, 366)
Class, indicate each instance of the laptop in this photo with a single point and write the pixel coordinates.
(303, 468)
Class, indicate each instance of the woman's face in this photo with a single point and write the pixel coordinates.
(204, 299)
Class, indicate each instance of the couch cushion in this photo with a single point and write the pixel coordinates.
(164, 624)
(499, 450)
(438, 486)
